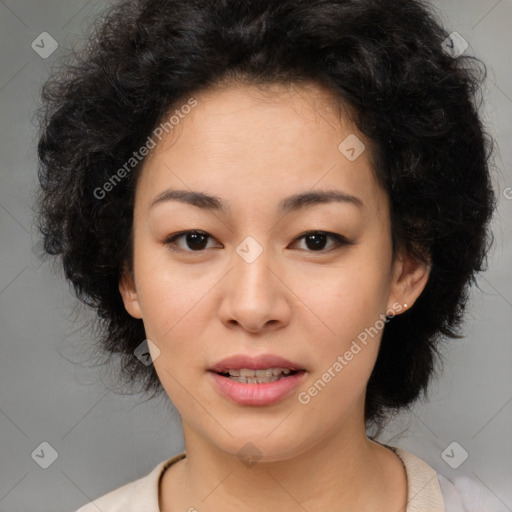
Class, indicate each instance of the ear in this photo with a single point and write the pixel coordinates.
(410, 276)
(129, 293)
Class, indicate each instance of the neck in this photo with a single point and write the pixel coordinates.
(345, 471)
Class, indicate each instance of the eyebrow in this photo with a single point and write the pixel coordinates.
(286, 205)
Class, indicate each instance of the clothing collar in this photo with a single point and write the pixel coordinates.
(423, 489)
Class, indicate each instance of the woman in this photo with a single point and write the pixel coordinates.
(277, 209)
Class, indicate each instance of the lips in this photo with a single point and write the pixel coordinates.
(273, 378)
(261, 362)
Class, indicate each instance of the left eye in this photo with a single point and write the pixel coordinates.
(315, 240)
(197, 240)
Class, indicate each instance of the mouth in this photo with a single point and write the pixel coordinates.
(256, 380)
(266, 376)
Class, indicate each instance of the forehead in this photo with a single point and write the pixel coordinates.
(252, 143)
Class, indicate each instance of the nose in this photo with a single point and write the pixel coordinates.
(255, 296)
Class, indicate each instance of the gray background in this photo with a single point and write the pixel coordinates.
(50, 393)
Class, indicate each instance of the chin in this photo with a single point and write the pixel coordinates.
(262, 447)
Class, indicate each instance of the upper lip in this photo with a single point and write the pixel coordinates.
(261, 362)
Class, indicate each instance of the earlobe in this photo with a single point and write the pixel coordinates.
(411, 277)
(129, 294)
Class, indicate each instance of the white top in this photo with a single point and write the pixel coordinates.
(427, 491)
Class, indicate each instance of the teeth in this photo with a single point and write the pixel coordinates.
(257, 380)
(269, 372)
(246, 376)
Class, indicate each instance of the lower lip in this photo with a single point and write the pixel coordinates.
(257, 394)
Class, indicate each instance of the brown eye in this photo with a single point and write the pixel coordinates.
(316, 240)
(195, 241)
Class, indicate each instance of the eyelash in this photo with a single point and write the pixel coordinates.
(339, 239)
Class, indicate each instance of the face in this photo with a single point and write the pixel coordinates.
(291, 258)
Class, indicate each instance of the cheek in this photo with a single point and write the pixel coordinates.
(333, 393)
(346, 325)
(342, 302)
(346, 344)
(171, 306)
(169, 297)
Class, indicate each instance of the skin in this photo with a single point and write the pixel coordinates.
(252, 148)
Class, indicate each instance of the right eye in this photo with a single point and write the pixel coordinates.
(195, 240)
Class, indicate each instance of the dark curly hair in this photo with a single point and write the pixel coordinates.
(389, 68)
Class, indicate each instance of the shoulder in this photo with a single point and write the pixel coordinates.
(467, 494)
(113, 500)
(140, 494)
(431, 490)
